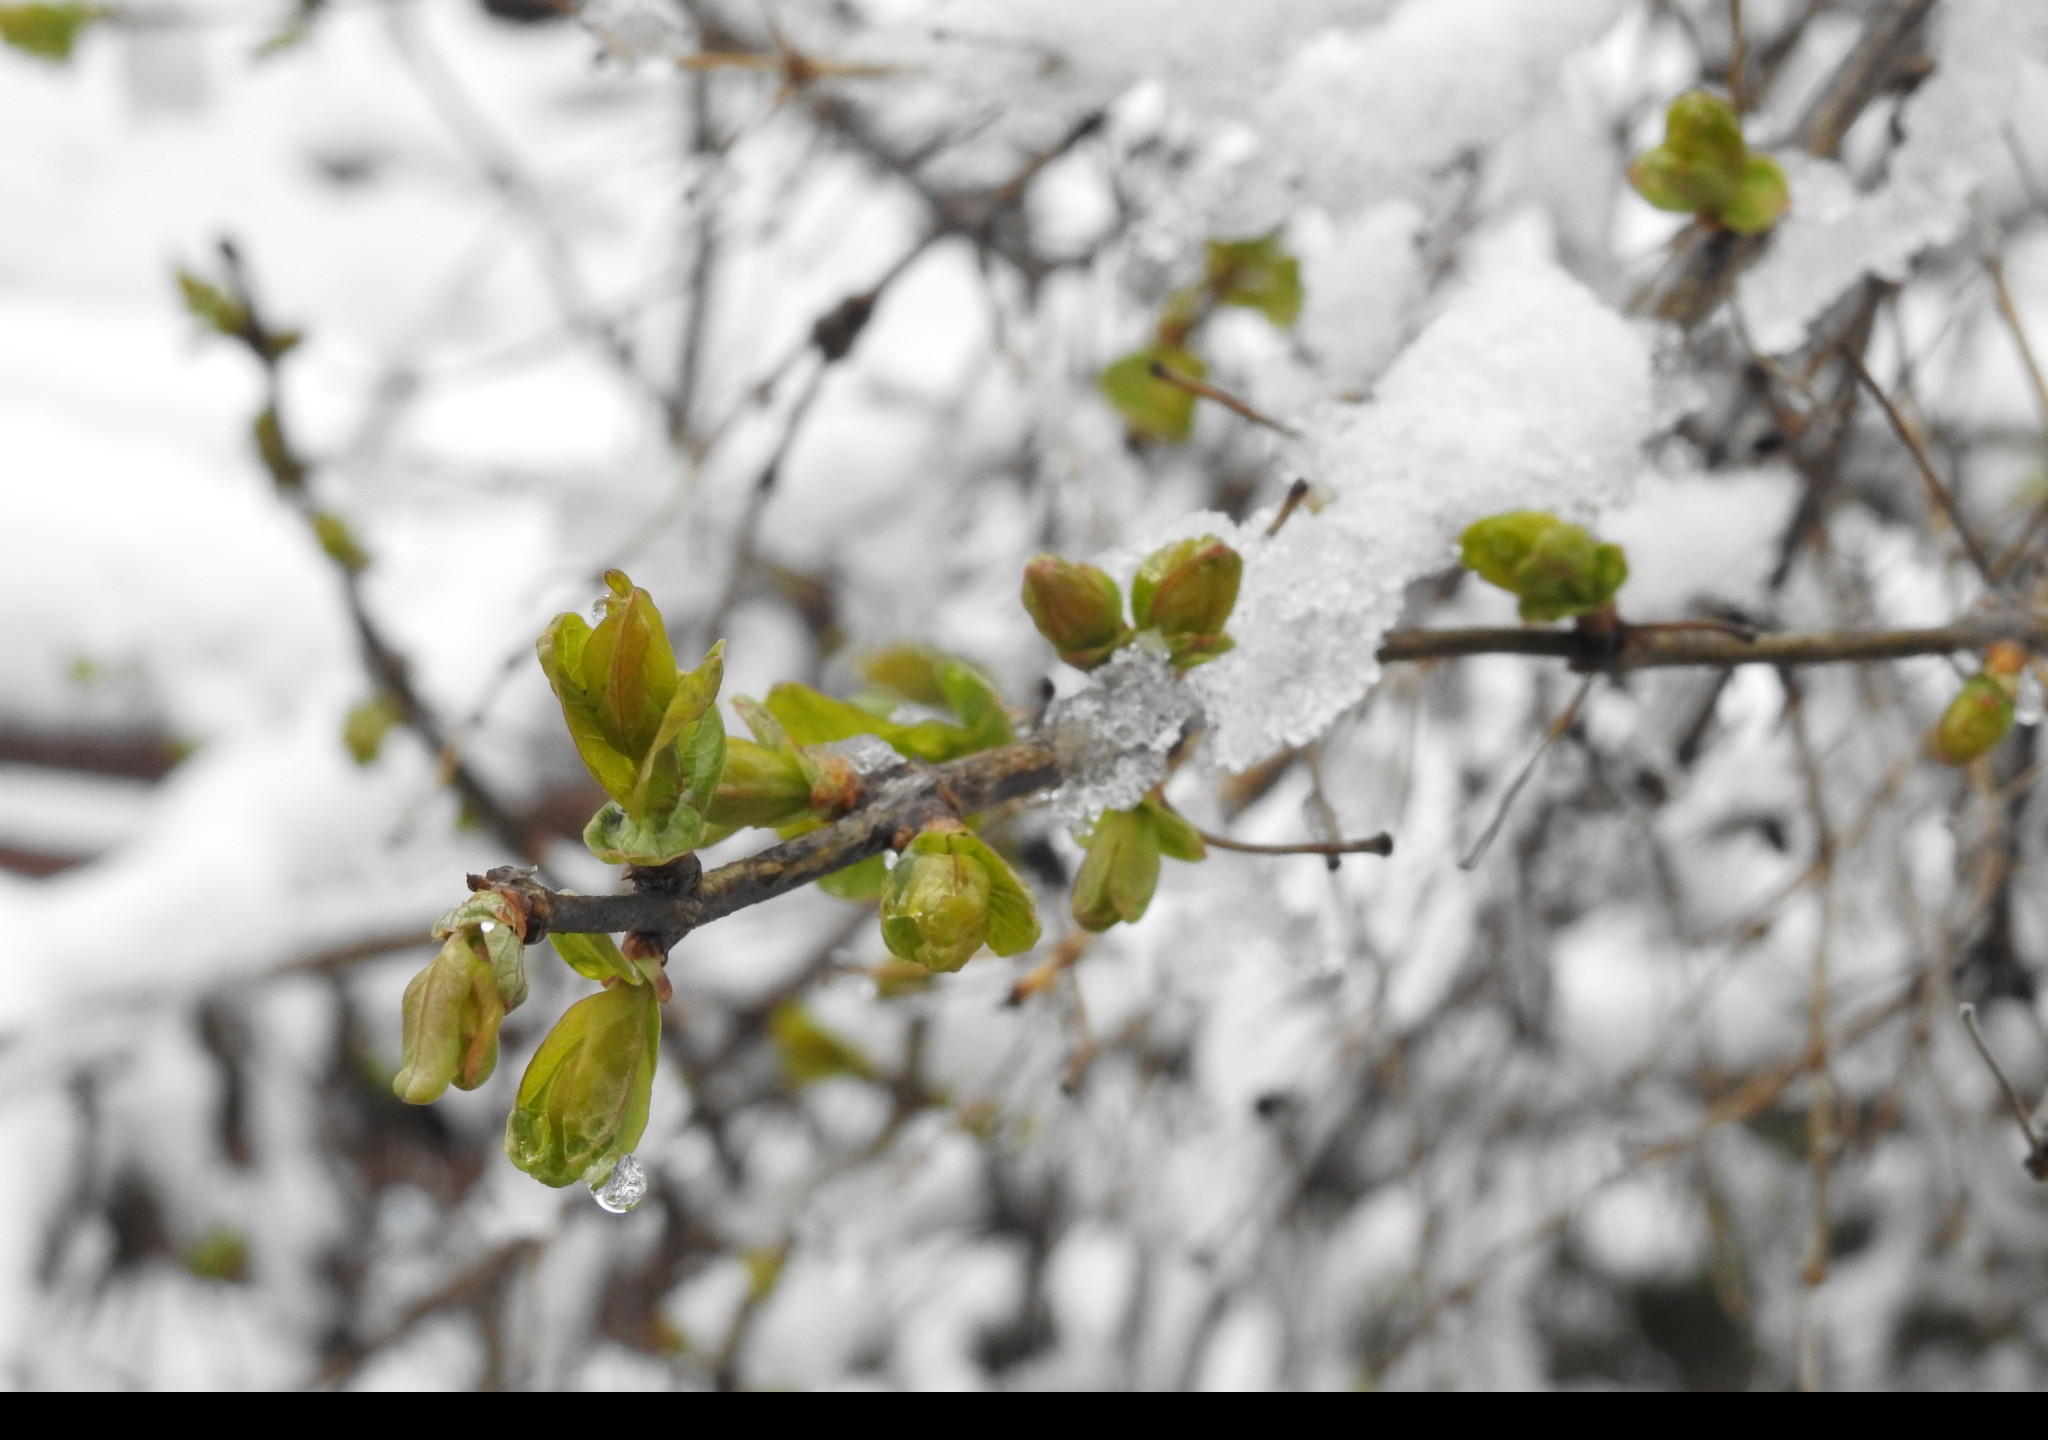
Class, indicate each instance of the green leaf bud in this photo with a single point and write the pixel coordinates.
(338, 542)
(1763, 196)
(1117, 879)
(1705, 167)
(1186, 592)
(809, 1052)
(949, 895)
(1150, 406)
(366, 727)
(495, 925)
(1257, 274)
(452, 1011)
(1554, 568)
(284, 467)
(651, 737)
(1077, 607)
(1981, 714)
(218, 1255)
(584, 1098)
(208, 303)
(46, 31)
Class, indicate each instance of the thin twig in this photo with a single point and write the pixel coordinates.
(2037, 1148)
(1296, 493)
(1738, 56)
(1937, 492)
(1202, 389)
(1550, 737)
(1380, 844)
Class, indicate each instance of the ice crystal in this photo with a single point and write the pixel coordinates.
(1114, 734)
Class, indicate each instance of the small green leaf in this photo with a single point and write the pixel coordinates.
(809, 1052)
(1012, 909)
(46, 31)
(1116, 879)
(910, 671)
(1186, 592)
(760, 785)
(617, 838)
(629, 671)
(367, 726)
(496, 927)
(1149, 406)
(338, 542)
(277, 458)
(814, 719)
(220, 1255)
(451, 1016)
(584, 1099)
(595, 957)
(561, 648)
(1257, 274)
(1178, 840)
(860, 882)
(212, 305)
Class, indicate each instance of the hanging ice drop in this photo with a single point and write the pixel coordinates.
(624, 1188)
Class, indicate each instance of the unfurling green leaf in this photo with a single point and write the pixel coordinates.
(761, 785)
(815, 719)
(1150, 406)
(1705, 167)
(1257, 274)
(616, 838)
(1117, 880)
(1077, 607)
(453, 1007)
(46, 31)
(809, 1051)
(1553, 567)
(584, 1098)
(452, 1011)
(949, 895)
(652, 738)
(596, 957)
(338, 542)
(1186, 592)
(366, 727)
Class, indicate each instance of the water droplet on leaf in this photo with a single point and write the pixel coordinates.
(625, 1187)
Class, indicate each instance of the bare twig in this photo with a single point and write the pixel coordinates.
(1202, 389)
(1938, 494)
(2037, 1147)
(1557, 727)
(1381, 844)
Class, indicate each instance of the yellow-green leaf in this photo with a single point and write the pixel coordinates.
(1150, 406)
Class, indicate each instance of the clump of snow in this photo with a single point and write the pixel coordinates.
(1358, 116)
(1833, 236)
(1114, 733)
(1526, 393)
(1361, 277)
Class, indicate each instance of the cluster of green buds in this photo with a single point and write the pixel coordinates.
(1554, 568)
(1981, 714)
(583, 1101)
(1705, 167)
(1117, 879)
(949, 895)
(1255, 274)
(454, 1007)
(650, 735)
(1183, 593)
